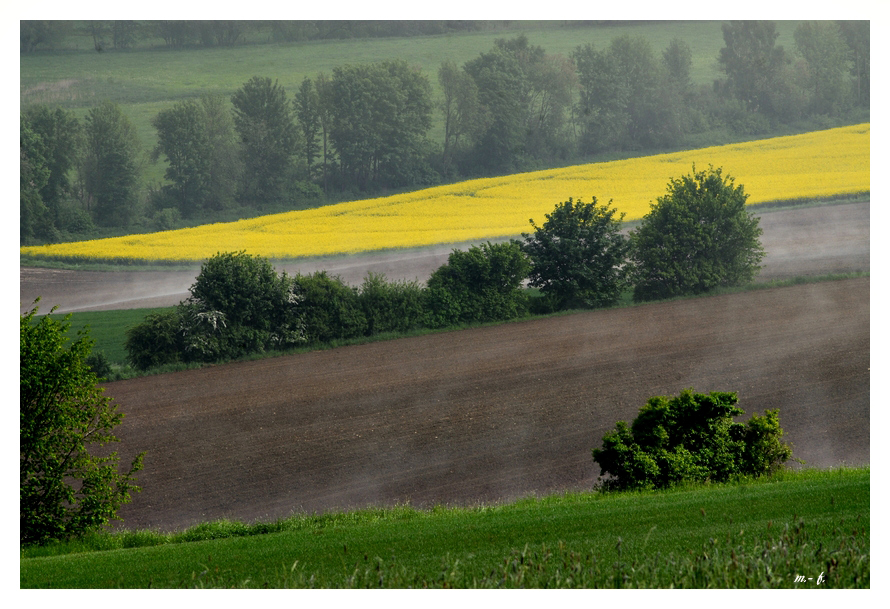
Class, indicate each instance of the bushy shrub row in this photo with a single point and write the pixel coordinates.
(697, 237)
(239, 306)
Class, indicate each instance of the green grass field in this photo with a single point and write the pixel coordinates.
(147, 80)
(757, 534)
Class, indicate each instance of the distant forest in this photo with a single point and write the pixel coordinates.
(362, 130)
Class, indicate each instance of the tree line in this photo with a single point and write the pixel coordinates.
(125, 35)
(697, 237)
(364, 129)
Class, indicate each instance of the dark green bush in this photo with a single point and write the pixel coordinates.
(238, 306)
(691, 437)
(391, 306)
(481, 284)
(699, 236)
(331, 309)
(578, 256)
(156, 341)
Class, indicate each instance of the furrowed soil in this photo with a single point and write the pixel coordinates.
(495, 413)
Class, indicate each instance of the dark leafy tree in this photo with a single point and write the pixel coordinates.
(553, 82)
(578, 256)
(858, 37)
(752, 61)
(98, 30)
(676, 61)
(379, 116)
(61, 135)
(502, 86)
(265, 124)
(690, 438)
(821, 44)
(478, 285)
(47, 33)
(331, 309)
(225, 165)
(221, 32)
(185, 143)
(125, 33)
(66, 487)
(525, 95)
(461, 110)
(110, 170)
(323, 90)
(625, 100)
(176, 34)
(697, 237)
(34, 174)
(306, 107)
(197, 139)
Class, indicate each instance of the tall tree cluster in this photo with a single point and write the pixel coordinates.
(365, 127)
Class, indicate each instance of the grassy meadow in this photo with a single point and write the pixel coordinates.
(817, 164)
(757, 534)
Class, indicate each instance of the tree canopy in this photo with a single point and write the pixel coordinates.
(697, 237)
(66, 488)
(264, 120)
(690, 437)
(111, 165)
(577, 255)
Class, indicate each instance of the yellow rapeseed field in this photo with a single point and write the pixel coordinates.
(817, 164)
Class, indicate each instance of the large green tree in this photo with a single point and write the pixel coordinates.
(379, 116)
(578, 255)
(265, 124)
(697, 237)
(34, 217)
(461, 111)
(307, 112)
(752, 61)
(185, 144)
(61, 134)
(197, 140)
(858, 37)
(525, 95)
(627, 98)
(67, 487)
(111, 165)
(827, 58)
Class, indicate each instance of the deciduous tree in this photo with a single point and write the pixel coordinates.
(578, 255)
(697, 237)
(827, 58)
(67, 487)
(110, 170)
(380, 114)
(751, 61)
(265, 124)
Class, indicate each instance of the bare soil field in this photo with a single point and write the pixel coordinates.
(808, 241)
(490, 413)
(494, 413)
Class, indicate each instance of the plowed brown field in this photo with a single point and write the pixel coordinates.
(495, 413)
(490, 413)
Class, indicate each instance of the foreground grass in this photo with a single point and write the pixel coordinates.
(765, 533)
